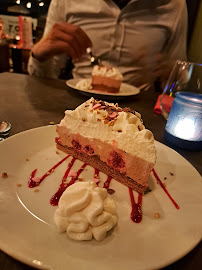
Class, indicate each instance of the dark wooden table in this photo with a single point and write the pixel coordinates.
(28, 102)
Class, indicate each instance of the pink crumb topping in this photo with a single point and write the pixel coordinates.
(96, 180)
(96, 106)
(113, 115)
(36, 179)
(72, 174)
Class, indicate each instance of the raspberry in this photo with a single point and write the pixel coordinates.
(76, 145)
(88, 150)
(115, 160)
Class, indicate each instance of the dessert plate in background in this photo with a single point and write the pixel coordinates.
(27, 229)
(126, 90)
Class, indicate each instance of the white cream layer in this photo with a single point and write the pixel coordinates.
(127, 133)
(107, 72)
(85, 211)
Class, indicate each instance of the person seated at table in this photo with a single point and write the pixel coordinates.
(2, 31)
(140, 37)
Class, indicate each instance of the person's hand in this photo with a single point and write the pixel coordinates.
(63, 38)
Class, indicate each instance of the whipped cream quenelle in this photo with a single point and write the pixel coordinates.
(84, 84)
(85, 211)
(125, 128)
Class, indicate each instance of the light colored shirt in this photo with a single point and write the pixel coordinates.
(130, 39)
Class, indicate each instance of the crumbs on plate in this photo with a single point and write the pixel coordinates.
(156, 215)
(110, 191)
(4, 175)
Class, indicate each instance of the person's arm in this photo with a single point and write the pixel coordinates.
(60, 40)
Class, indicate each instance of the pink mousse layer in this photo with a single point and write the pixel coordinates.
(127, 164)
(102, 83)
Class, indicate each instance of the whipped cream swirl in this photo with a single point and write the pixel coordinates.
(84, 84)
(85, 211)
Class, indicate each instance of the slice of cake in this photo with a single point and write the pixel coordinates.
(106, 79)
(111, 139)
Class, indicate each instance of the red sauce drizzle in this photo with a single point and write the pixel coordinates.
(96, 175)
(32, 183)
(55, 198)
(163, 187)
(107, 182)
(136, 213)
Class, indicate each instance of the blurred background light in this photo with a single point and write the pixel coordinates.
(29, 5)
(41, 4)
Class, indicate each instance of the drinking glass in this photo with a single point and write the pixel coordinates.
(184, 77)
(183, 91)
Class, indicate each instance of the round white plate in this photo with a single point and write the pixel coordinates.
(125, 90)
(27, 229)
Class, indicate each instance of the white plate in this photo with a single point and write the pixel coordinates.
(27, 229)
(125, 90)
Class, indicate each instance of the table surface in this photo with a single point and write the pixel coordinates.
(27, 102)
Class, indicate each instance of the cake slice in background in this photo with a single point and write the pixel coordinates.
(106, 79)
(111, 139)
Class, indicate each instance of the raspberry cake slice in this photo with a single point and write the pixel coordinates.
(106, 79)
(111, 139)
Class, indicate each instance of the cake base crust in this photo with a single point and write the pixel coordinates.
(104, 88)
(95, 162)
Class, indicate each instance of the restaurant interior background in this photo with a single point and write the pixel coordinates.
(24, 21)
